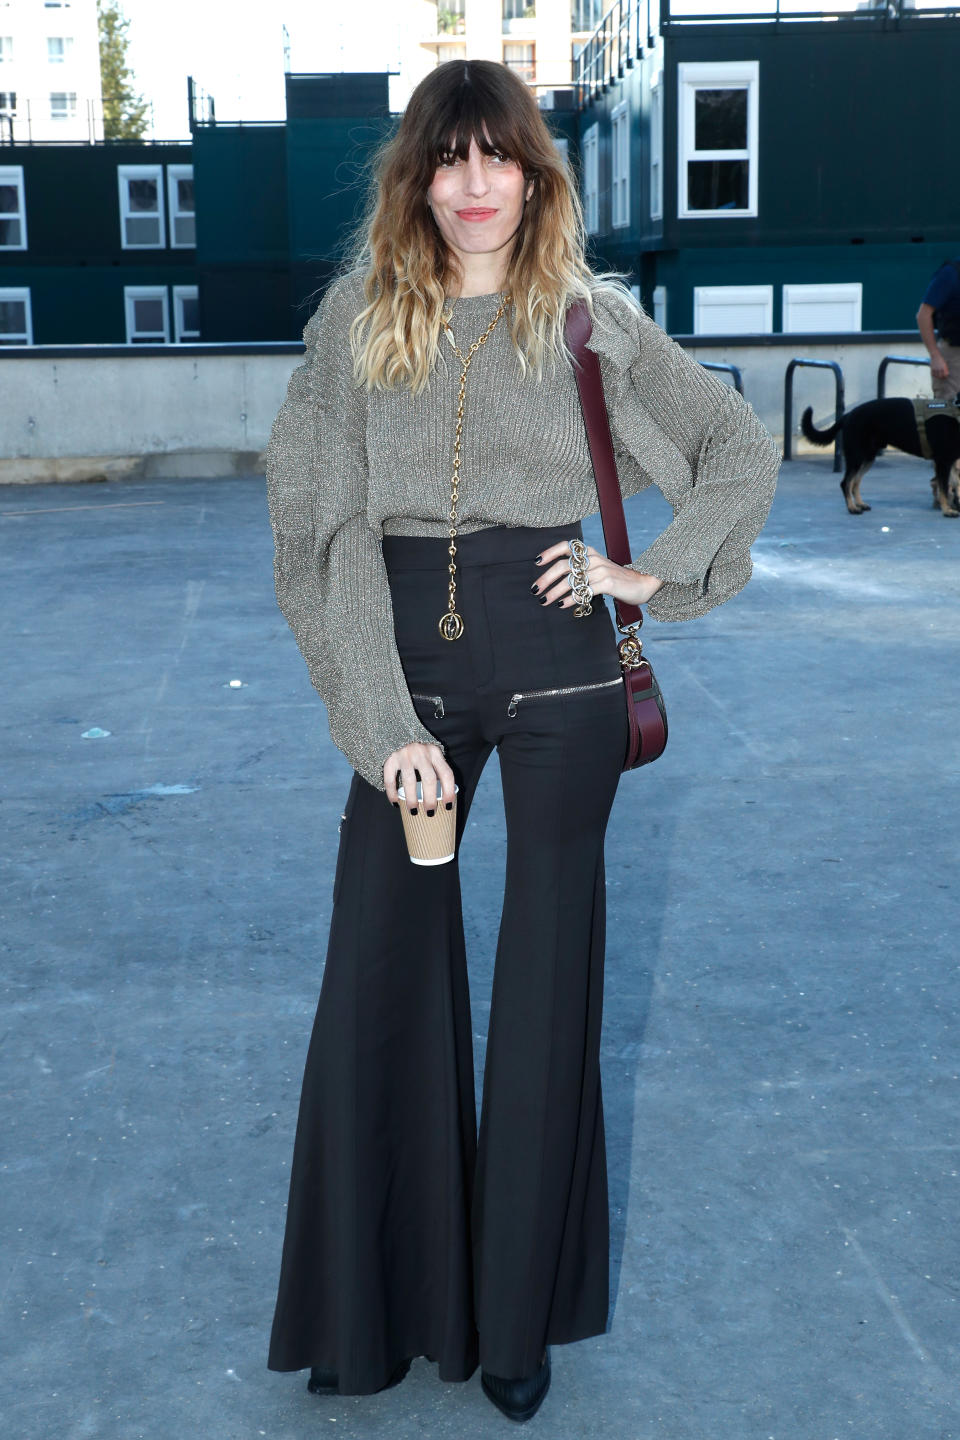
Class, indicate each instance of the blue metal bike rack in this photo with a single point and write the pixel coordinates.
(733, 370)
(788, 406)
(889, 360)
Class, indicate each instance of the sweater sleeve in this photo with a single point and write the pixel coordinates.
(702, 445)
(331, 582)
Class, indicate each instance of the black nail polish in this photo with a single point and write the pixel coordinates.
(449, 805)
(539, 558)
(543, 600)
(534, 586)
(431, 812)
(414, 810)
(395, 804)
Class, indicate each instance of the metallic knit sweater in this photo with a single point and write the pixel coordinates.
(345, 466)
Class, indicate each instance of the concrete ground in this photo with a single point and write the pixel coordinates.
(781, 1067)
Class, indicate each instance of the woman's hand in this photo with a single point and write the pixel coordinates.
(429, 761)
(603, 577)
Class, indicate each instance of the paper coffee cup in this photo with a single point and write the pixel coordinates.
(431, 839)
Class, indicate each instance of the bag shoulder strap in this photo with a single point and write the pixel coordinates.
(597, 422)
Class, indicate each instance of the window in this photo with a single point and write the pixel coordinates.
(183, 223)
(13, 212)
(63, 104)
(519, 16)
(822, 308)
(141, 208)
(732, 309)
(587, 14)
(521, 59)
(660, 305)
(186, 312)
(6, 48)
(16, 326)
(59, 48)
(620, 180)
(717, 132)
(591, 179)
(563, 148)
(656, 146)
(147, 314)
(8, 102)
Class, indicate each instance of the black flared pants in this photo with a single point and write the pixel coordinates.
(408, 1232)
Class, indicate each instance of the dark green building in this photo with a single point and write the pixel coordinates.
(97, 243)
(772, 173)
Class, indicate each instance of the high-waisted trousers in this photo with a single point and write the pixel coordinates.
(409, 1232)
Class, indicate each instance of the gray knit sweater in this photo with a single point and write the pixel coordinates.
(345, 466)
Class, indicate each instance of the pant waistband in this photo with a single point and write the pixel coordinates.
(493, 545)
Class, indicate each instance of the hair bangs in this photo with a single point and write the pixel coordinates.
(472, 115)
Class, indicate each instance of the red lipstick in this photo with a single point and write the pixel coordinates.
(476, 214)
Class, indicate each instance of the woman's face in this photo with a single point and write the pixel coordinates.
(477, 203)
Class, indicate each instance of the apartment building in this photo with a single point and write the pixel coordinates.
(540, 39)
(49, 71)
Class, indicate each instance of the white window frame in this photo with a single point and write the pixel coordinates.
(19, 292)
(6, 49)
(656, 146)
(66, 53)
(620, 166)
(714, 297)
(660, 305)
(146, 292)
(175, 173)
(798, 300)
(69, 112)
(140, 172)
(13, 175)
(181, 293)
(590, 147)
(716, 75)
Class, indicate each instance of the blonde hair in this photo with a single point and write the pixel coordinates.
(407, 267)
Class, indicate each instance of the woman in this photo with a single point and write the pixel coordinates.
(426, 475)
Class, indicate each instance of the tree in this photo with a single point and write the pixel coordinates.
(125, 113)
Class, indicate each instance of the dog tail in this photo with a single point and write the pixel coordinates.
(815, 436)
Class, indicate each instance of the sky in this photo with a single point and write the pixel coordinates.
(234, 50)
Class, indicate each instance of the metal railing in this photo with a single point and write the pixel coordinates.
(626, 32)
(631, 27)
(885, 364)
(733, 370)
(788, 406)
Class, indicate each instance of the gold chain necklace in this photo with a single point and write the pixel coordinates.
(450, 623)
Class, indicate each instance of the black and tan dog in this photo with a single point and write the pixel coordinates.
(927, 428)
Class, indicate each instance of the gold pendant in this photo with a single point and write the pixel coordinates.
(451, 625)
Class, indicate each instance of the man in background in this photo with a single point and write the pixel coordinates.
(940, 310)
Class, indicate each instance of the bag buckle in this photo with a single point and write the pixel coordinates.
(630, 648)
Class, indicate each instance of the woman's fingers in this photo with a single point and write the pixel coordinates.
(408, 779)
(428, 762)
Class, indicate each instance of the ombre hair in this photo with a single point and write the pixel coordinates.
(405, 261)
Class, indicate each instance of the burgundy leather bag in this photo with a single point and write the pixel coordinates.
(647, 738)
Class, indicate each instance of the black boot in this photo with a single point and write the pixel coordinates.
(518, 1399)
(325, 1382)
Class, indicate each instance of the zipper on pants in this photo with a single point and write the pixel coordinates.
(437, 703)
(562, 690)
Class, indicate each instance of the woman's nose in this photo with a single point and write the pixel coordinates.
(475, 179)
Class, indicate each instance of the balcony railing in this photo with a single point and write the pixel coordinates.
(630, 27)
